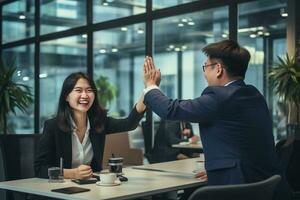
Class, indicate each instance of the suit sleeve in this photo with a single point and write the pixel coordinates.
(45, 152)
(127, 124)
(173, 133)
(201, 109)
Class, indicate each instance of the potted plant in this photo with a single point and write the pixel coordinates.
(106, 91)
(285, 82)
(12, 95)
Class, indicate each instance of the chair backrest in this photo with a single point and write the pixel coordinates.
(288, 153)
(3, 173)
(19, 154)
(262, 190)
(118, 144)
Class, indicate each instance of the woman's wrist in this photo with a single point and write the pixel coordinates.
(70, 173)
(140, 106)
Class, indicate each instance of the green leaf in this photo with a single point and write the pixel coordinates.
(12, 95)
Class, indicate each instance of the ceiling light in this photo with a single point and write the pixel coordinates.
(191, 23)
(104, 3)
(177, 49)
(180, 24)
(22, 16)
(171, 46)
(102, 51)
(267, 34)
(224, 35)
(184, 20)
(253, 35)
(140, 31)
(283, 12)
(114, 50)
(84, 35)
(25, 78)
(260, 32)
(124, 28)
(260, 28)
(43, 75)
(183, 47)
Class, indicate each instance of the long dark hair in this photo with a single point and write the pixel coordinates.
(96, 114)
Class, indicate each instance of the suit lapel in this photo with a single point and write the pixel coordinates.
(66, 149)
(96, 146)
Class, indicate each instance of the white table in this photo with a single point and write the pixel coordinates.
(140, 183)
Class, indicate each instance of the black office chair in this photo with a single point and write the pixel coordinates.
(289, 154)
(3, 172)
(262, 190)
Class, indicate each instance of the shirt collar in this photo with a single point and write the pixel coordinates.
(88, 126)
(229, 83)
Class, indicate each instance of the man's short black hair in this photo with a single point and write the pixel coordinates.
(234, 57)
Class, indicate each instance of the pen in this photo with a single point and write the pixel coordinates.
(61, 166)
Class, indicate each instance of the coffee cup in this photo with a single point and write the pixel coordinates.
(115, 165)
(108, 177)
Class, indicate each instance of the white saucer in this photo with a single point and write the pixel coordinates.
(117, 182)
(184, 143)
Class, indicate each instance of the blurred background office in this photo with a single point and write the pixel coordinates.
(108, 39)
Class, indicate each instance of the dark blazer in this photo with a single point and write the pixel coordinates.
(235, 127)
(55, 143)
(168, 133)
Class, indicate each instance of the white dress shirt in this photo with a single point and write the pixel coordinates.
(82, 153)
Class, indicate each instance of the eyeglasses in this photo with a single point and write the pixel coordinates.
(203, 67)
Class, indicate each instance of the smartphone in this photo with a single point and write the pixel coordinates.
(85, 181)
(71, 190)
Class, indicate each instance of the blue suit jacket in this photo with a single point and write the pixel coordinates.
(235, 127)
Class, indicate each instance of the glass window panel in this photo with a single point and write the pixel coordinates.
(252, 33)
(58, 59)
(178, 42)
(119, 55)
(159, 4)
(258, 37)
(59, 15)
(104, 10)
(18, 20)
(23, 56)
(279, 110)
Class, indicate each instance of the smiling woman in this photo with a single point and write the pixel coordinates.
(77, 133)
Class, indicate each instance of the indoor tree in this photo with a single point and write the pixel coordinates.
(13, 95)
(285, 82)
(106, 91)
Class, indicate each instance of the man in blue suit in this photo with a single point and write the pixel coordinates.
(234, 120)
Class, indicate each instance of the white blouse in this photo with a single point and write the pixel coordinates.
(82, 153)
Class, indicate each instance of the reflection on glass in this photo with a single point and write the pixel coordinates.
(178, 44)
(18, 20)
(23, 56)
(159, 4)
(58, 59)
(104, 10)
(257, 36)
(118, 55)
(59, 15)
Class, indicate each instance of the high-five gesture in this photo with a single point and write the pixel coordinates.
(151, 74)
